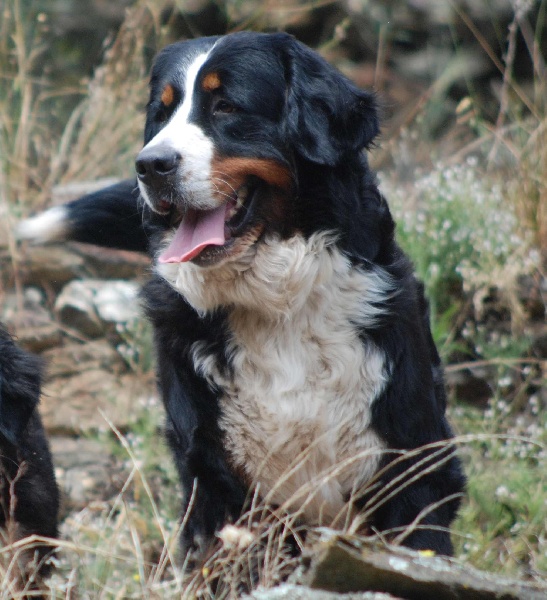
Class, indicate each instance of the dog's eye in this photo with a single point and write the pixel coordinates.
(223, 107)
(161, 116)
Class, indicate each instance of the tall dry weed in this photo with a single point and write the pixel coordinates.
(104, 133)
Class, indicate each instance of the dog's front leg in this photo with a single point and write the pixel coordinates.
(213, 495)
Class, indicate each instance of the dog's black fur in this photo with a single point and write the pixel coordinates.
(29, 498)
(271, 99)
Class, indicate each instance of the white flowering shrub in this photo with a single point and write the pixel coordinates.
(502, 521)
(462, 234)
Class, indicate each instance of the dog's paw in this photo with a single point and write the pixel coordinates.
(196, 547)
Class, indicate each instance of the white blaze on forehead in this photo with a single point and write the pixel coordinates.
(192, 71)
(190, 141)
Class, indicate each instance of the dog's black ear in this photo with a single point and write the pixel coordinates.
(327, 115)
(20, 378)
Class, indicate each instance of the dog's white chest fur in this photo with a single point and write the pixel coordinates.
(296, 406)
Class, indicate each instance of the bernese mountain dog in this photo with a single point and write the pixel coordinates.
(294, 352)
(29, 498)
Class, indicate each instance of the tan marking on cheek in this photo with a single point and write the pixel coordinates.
(230, 174)
(168, 95)
(211, 82)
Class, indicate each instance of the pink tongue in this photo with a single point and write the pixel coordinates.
(197, 230)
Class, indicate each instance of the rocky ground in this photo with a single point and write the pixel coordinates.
(78, 308)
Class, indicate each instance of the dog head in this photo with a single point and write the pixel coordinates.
(228, 120)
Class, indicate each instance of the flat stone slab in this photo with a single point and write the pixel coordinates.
(85, 471)
(74, 358)
(337, 566)
(54, 265)
(290, 591)
(92, 305)
(72, 405)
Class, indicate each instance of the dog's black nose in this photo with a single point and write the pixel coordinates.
(156, 163)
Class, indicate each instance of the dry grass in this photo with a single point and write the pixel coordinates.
(104, 133)
(520, 131)
(20, 565)
(529, 189)
(127, 546)
(33, 162)
(112, 550)
(22, 557)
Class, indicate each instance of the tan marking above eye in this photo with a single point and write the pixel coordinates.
(168, 95)
(211, 82)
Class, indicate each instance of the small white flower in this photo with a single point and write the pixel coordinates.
(502, 492)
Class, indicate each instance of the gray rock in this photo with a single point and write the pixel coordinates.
(50, 267)
(340, 567)
(36, 336)
(297, 592)
(85, 471)
(472, 384)
(106, 263)
(75, 308)
(76, 404)
(75, 358)
(117, 301)
(28, 319)
(89, 306)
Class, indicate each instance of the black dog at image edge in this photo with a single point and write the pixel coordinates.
(29, 498)
(294, 353)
